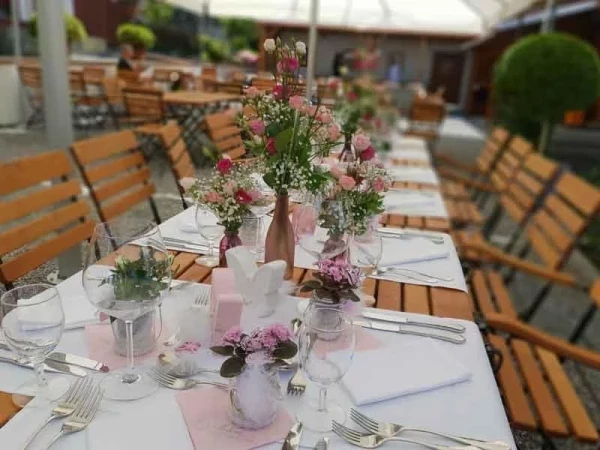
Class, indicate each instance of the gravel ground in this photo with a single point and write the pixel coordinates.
(557, 315)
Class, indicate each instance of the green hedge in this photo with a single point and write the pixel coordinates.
(74, 28)
(136, 35)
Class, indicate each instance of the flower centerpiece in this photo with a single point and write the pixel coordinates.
(228, 193)
(335, 282)
(289, 135)
(251, 364)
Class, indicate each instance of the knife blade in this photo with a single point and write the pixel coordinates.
(80, 361)
(292, 440)
(52, 368)
(454, 328)
(397, 328)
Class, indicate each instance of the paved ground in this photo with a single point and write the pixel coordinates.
(463, 140)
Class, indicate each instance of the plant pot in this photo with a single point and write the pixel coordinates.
(229, 240)
(145, 334)
(279, 243)
(254, 397)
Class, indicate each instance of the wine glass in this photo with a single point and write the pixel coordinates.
(326, 350)
(260, 209)
(320, 229)
(211, 230)
(126, 275)
(366, 251)
(33, 321)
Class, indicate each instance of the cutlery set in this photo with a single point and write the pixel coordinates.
(79, 406)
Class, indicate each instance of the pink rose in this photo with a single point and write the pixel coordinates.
(297, 102)
(277, 92)
(230, 187)
(337, 172)
(213, 197)
(361, 142)
(252, 92)
(257, 126)
(311, 110)
(347, 182)
(367, 154)
(325, 116)
(255, 194)
(271, 149)
(335, 132)
(288, 65)
(243, 197)
(224, 165)
(378, 184)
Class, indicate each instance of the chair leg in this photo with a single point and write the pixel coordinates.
(583, 323)
(537, 302)
(154, 211)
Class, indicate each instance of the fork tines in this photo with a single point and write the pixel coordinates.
(160, 376)
(366, 422)
(352, 436)
(86, 410)
(77, 390)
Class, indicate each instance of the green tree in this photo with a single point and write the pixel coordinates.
(542, 76)
(74, 28)
(136, 35)
(214, 50)
(241, 33)
(158, 13)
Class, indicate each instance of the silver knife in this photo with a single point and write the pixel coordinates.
(75, 360)
(397, 328)
(292, 440)
(51, 366)
(454, 328)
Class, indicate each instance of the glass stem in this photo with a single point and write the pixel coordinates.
(322, 399)
(40, 375)
(130, 377)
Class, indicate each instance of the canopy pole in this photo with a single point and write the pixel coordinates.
(16, 29)
(52, 45)
(312, 48)
(548, 22)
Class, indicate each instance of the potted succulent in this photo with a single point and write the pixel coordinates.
(140, 37)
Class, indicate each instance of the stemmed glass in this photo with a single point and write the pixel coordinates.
(210, 229)
(33, 321)
(260, 209)
(320, 229)
(326, 350)
(366, 251)
(126, 274)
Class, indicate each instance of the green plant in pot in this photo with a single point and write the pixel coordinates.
(140, 37)
(74, 28)
(542, 76)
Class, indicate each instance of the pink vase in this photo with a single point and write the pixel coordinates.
(229, 240)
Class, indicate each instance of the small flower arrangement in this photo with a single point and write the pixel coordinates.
(335, 281)
(229, 192)
(263, 346)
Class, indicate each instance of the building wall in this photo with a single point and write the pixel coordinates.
(417, 54)
(102, 17)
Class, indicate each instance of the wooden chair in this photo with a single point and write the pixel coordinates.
(166, 79)
(31, 79)
(263, 84)
(114, 169)
(86, 105)
(230, 87)
(112, 90)
(41, 215)
(94, 74)
(225, 134)
(425, 118)
(180, 161)
(146, 111)
(131, 78)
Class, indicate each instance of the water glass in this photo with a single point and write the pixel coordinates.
(33, 321)
(211, 230)
(366, 251)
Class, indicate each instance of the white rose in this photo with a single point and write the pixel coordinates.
(300, 48)
(269, 45)
(257, 139)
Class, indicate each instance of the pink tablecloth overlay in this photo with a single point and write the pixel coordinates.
(206, 414)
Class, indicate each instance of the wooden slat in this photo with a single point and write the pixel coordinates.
(184, 167)
(28, 232)
(218, 120)
(542, 247)
(220, 133)
(182, 262)
(229, 143)
(581, 194)
(541, 396)
(196, 273)
(583, 427)
(512, 208)
(451, 303)
(36, 256)
(501, 295)
(415, 299)
(20, 207)
(122, 204)
(559, 209)
(93, 149)
(388, 295)
(561, 240)
(105, 170)
(121, 184)
(482, 292)
(236, 153)
(31, 170)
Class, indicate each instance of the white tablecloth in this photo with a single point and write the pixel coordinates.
(415, 202)
(411, 154)
(424, 175)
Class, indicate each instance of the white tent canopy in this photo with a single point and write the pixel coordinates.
(460, 17)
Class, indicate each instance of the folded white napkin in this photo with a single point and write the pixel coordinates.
(417, 250)
(35, 314)
(393, 202)
(410, 369)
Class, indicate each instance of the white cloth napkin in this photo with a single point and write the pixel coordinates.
(414, 174)
(79, 312)
(415, 202)
(427, 252)
(411, 154)
(417, 367)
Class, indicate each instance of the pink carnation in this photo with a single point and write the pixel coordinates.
(257, 126)
(297, 102)
(334, 131)
(224, 166)
(347, 182)
(230, 187)
(213, 197)
(288, 64)
(252, 92)
(367, 154)
(233, 336)
(361, 142)
(324, 116)
(378, 184)
(337, 171)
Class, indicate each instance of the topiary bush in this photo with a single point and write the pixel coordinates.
(214, 50)
(137, 35)
(74, 28)
(542, 76)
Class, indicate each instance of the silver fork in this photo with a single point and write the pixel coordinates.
(74, 395)
(201, 300)
(387, 429)
(82, 416)
(179, 384)
(297, 384)
(366, 440)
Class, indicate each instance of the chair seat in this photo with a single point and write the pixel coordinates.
(453, 189)
(535, 388)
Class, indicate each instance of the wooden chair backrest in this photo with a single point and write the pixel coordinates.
(164, 78)
(225, 134)
(238, 76)
(510, 162)
(130, 77)
(94, 74)
(263, 84)
(177, 152)
(31, 76)
(146, 103)
(326, 91)
(77, 83)
(230, 87)
(209, 84)
(209, 72)
(528, 187)
(40, 213)
(115, 171)
(427, 111)
(564, 216)
(113, 90)
(494, 145)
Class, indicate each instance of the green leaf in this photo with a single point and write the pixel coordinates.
(311, 285)
(283, 139)
(286, 350)
(232, 367)
(223, 350)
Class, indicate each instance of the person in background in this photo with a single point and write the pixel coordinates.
(394, 71)
(126, 58)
